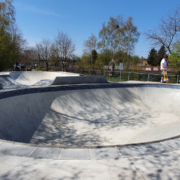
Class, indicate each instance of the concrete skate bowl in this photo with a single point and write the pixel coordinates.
(29, 78)
(90, 115)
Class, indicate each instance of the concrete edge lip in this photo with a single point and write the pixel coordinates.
(88, 85)
(115, 152)
(79, 80)
(88, 147)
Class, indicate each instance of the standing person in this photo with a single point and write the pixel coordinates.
(163, 66)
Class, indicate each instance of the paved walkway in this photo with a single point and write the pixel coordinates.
(145, 161)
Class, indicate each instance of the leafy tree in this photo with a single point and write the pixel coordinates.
(130, 37)
(118, 35)
(120, 56)
(135, 60)
(152, 57)
(5, 48)
(175, 55)
(85, 61)
(11, 39)
(6, 20)
(160, 54)
(91, 45)
(104, 56)
(99, 62)
(7, 15)
(110, 35)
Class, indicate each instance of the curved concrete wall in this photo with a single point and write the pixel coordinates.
(32, 77)
(9, 79)
(79, 80)
(91, 115)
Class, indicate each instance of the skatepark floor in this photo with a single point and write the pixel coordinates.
(68, 149)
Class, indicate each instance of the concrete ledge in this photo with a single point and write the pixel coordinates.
(88, 153)
(79, 80)
(17, 92)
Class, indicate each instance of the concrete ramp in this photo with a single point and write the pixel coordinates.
(33, 77)
(79, 80)
(8, 81)
(30, 78)
(91, 116)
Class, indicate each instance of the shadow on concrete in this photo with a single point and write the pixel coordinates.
(75, 118)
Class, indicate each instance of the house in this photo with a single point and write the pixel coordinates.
(143, 62)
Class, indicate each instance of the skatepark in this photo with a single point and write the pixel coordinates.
(49, 119)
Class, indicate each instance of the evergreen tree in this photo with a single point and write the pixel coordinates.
(152, 57)
(94, 57)
(160, 54)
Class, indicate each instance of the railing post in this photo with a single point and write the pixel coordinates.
(120, 74)
(128, 75)
(177, 79)
(148, 76)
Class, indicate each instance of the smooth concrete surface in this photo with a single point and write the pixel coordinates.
(91, 117)
(12, 167)
(28, 78)
(127, 162)
(79, 80)
(135, 162)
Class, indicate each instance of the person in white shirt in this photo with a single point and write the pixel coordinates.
(163, 66)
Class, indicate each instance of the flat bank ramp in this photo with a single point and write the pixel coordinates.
(79, 80)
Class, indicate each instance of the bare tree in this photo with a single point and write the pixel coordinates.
(54, 53)
(65, 46)
(129, 37)
(168, 32)
(90, 45)
(44, 51)
(29, 56)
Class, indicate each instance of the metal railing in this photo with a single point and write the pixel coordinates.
(125, 76)
(128, 76)
(88, 72)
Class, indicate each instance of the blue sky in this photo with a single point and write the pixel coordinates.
(38, 19)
